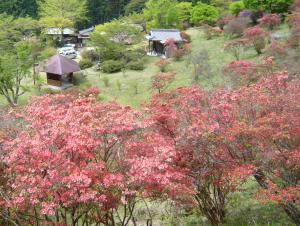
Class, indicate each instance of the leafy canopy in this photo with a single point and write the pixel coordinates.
(161, 14)
(203, 13)
(273, 6)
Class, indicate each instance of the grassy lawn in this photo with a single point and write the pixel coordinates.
(122, 87)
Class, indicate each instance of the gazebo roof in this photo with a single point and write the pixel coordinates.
(60, 65)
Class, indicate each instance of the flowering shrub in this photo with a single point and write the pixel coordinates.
(276, 50)
(161, 81)
(241, 71)
(270, 21)
(245, 13)
(92, 91)
(162, 64)
(256, 36)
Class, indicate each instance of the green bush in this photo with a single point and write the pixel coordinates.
(85, 63)
(111, 66)
(90, 54)
(79, 78)
(204, 14)
(136, 65)
(271, 6)
(236, 7)
(106, 81)
(133, 55)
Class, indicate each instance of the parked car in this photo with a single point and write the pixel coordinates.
(70, 45)
(71, 54)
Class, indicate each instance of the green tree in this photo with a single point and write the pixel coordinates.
(204, 14)
(236, 7)
(14, 68)
(19, 8)
(273, 6)
(161, 14)
(69, 11)
(184, 11)
(14, 30)
(112, 39)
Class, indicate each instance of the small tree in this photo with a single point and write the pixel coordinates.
(204, 14)
(161, 81)
(162, 64)
(14, 68)
(201, 64)
(270, 21)
(256, 36)
(236, 47)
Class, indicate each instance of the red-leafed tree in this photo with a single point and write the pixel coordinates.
(161, 81)
(185, 117)
(270, 21)
(264, 131)
(77, 159)
(256, 37)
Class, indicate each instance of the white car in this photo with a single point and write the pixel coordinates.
(70, 45)
(69, 52)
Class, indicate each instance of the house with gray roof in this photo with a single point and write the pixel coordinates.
(158, 37)
(84, 35)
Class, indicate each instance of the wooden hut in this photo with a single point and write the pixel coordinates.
(158, 37)
(59, 71)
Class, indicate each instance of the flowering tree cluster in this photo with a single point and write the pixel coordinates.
(246, 72)
(77, 159)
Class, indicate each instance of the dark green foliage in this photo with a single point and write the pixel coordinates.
(19, 8)
(134, 6)
(136, 65)
(273, 6)
(85, 63)
(101, 11)
(111, 66)
(204, 14)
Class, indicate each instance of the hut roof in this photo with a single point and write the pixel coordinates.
(163, 34)
(87, 31)
(60, 65)
(57, 31)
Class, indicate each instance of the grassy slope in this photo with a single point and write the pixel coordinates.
(142, 79)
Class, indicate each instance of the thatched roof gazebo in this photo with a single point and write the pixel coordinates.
(59, 70)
